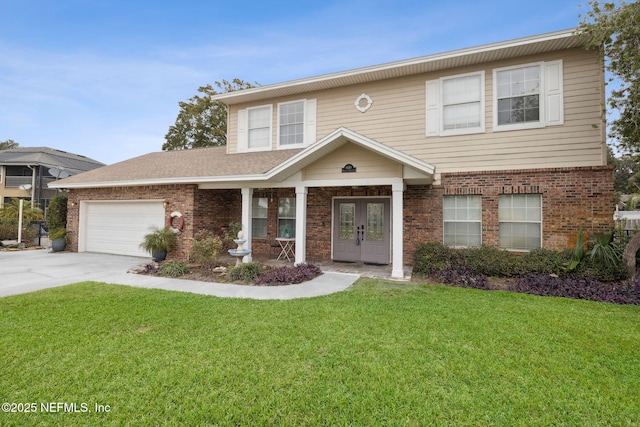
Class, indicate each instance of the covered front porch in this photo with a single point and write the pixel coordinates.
(357, 224)
(341, 199)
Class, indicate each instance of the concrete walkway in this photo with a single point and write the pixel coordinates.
(32, 270)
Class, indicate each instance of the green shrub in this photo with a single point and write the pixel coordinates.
(591, 268)
(245, 272)
(206, 246)
(492, 262)
(545, 261)
(174, 268)
(432, 257)
(8, 229)
(57, 213)
(435, 258)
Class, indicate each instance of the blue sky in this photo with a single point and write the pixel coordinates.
(103, 78)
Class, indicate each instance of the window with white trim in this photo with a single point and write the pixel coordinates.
(455, 105)
(259, 127)
(296, 126)
(518, 95)
(291, 123)
(296, 123)
(528, 96)
(259, 212)
(287, 217)
(462, 221)
(520, 217)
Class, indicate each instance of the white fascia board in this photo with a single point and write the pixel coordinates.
(378, 72)
(164, 181)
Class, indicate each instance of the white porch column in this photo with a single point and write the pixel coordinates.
(397, 267)
(247, 204)
(301, 225)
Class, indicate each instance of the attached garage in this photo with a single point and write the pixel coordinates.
(118, 227)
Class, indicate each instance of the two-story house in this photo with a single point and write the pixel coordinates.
(499, 145)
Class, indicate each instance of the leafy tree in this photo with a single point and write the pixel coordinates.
(202, 122)
(9, 143)
(626, 174)
(614, 29)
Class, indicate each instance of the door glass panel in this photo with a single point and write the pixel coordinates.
(375, 221)
(347, 221)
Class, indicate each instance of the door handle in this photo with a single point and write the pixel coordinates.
(363, 233)
(357, 236)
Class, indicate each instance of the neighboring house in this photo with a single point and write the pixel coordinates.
(25, 172)
(497, 145)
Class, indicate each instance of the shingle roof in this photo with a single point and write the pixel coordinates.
(182, 166)
(46, 156)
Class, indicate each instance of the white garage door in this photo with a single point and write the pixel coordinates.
(118, 227)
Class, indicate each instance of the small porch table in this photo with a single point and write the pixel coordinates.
(286, 245)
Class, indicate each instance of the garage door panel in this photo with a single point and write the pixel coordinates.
(119, 227)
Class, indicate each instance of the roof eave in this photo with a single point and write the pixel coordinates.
(468, 56)
(158, 181)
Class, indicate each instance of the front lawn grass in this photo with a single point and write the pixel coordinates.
(381, 353)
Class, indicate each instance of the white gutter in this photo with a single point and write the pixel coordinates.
(397, 68)
(163, 181)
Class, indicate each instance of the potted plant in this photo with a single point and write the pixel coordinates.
(159, 242)
(57, 222)
(58, 238)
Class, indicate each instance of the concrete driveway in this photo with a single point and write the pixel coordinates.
(28, 271)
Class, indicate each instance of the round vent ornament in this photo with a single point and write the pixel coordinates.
(363, 103)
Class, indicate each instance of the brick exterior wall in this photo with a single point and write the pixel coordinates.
(179, 198)
(571, 197)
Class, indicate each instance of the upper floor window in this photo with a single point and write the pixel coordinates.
(296, 126)
(518, 95)
(259, 127)
(291, 123)
(455, 105)
(528, 96)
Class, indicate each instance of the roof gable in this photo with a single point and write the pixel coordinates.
(338, 138)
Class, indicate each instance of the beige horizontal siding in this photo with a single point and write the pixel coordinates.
(397, 119)
(367, 164)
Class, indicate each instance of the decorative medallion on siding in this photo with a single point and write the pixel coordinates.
(363, 103)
